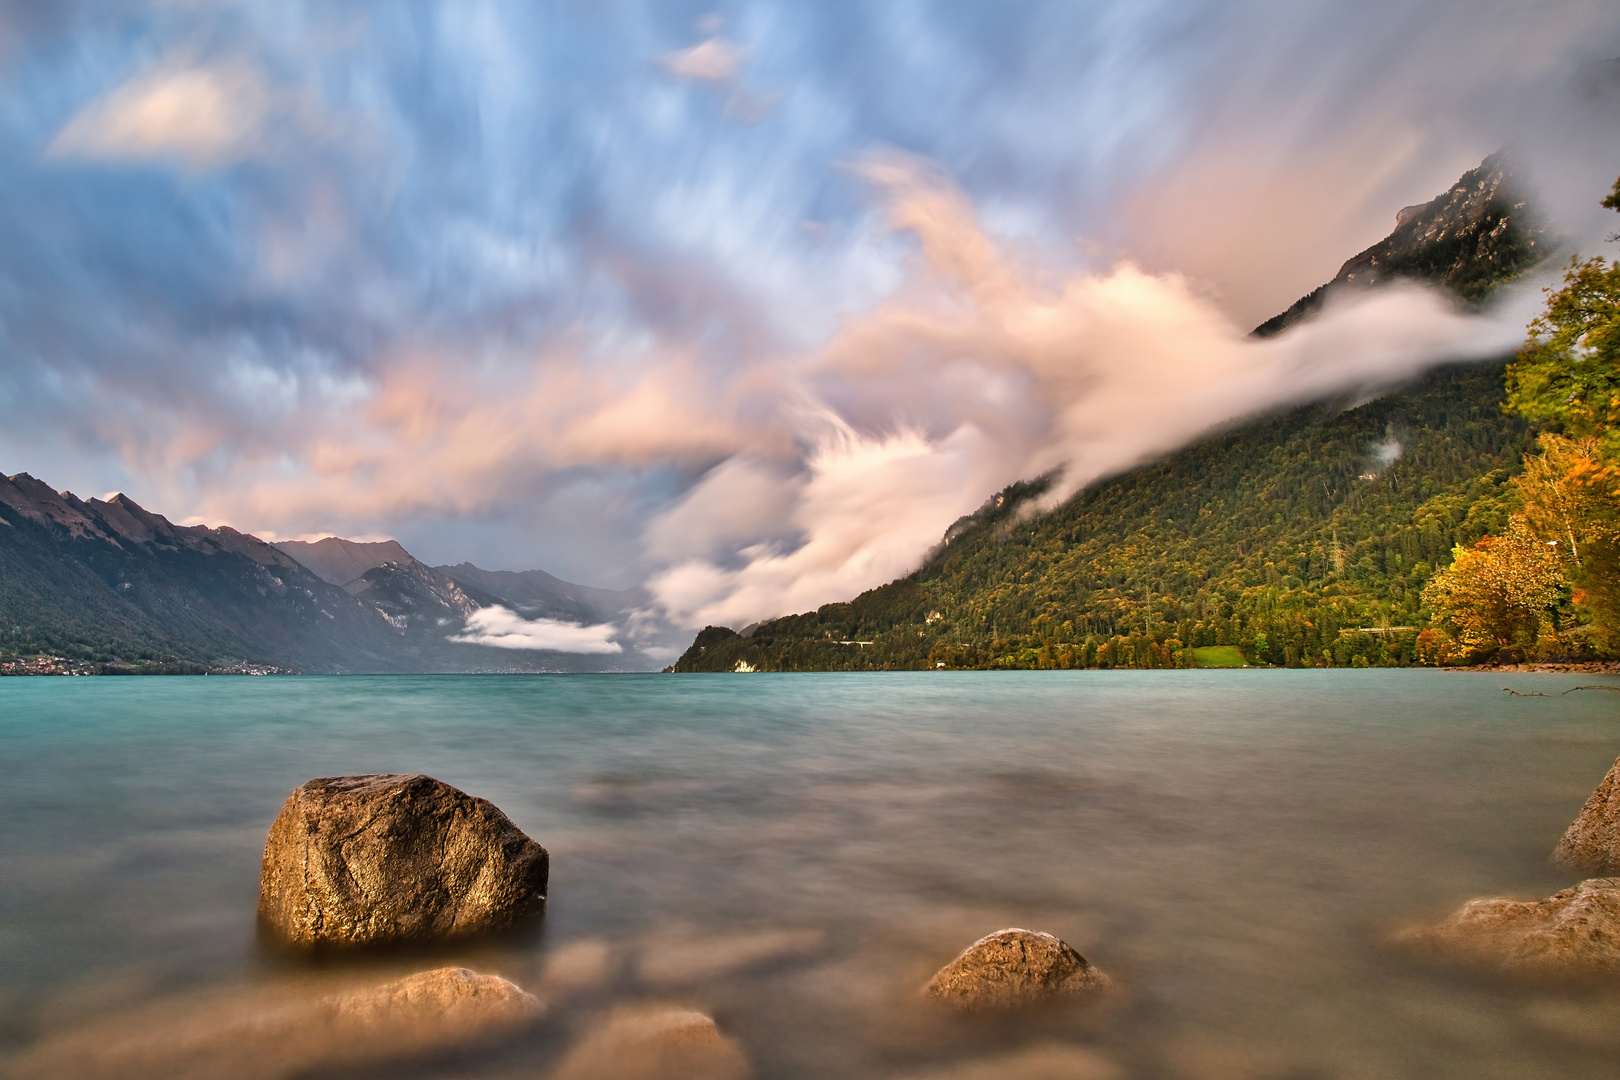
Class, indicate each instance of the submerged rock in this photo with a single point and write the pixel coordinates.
(271, 1036)
(654, 1042)
(1047, 1061)
(1592, 843)
(1014, 968)
(1573, 932)
(445, 1000)
(366, 860)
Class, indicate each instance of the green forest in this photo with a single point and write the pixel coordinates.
(1471, 518)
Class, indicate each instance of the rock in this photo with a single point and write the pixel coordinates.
(654, 1042)
(1048, 1061)
(443, 1000)
(1013, 968)
(1576, 931)
(1592, 843)
(366, 860)
(276, 1036)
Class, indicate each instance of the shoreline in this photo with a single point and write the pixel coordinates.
(1585, 667)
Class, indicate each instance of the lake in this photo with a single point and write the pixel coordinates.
(796, 854)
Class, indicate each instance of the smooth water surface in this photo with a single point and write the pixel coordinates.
(796, 853)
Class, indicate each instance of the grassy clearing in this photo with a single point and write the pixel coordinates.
(1218, 656)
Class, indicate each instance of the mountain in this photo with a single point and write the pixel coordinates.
(1295, 528)
(112, 584)
(1298, 539)
(340, 561)
(462, 587)
(420, 601)
(536, 594)
(1481, 232)
(112, 587)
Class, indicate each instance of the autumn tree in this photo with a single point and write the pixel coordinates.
(1559, 504)
(1499, 593)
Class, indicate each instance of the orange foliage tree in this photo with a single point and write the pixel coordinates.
(1500, 593)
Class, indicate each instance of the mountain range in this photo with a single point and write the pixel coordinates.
(1300, 539)
(107, 586)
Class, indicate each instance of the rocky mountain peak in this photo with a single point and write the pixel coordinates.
(344, 562)
(1479, 233)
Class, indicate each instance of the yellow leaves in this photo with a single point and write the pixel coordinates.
(1497, 593)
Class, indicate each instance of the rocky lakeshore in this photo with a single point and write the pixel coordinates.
(777, 874)
(1587, 667)
(358, 863)
(365, 864)
(1572, 934)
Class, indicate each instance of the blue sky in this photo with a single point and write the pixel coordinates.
(746, 300)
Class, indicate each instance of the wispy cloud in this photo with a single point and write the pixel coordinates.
(715, 60)
(202, 115)
(505, 629)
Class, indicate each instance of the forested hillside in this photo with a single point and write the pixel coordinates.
(1304, 539)
(1301, 539)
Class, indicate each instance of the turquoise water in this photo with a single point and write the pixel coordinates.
(1231, 846)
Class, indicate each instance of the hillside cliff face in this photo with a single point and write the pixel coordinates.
(1479, 233)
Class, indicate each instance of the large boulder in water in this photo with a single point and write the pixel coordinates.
(366, 860)
(1573, 932)
(1592, 843)
(1013, 968)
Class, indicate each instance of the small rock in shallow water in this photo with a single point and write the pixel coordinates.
(1050, 1061)
(1592, 843)
(248, 1035)
(1573, 932)
(449, 1000)
(367, 860)
(1013, 968)
(654, 1042)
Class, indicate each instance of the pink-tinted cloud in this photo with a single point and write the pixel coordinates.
(982, 371)
(502, 628)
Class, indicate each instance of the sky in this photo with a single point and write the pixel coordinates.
(746, 302)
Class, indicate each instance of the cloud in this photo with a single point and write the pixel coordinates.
(715, 60)
(203, 116)
(505, 629)
(983, 370)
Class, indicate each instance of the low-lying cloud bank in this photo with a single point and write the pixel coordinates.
(503, 628)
